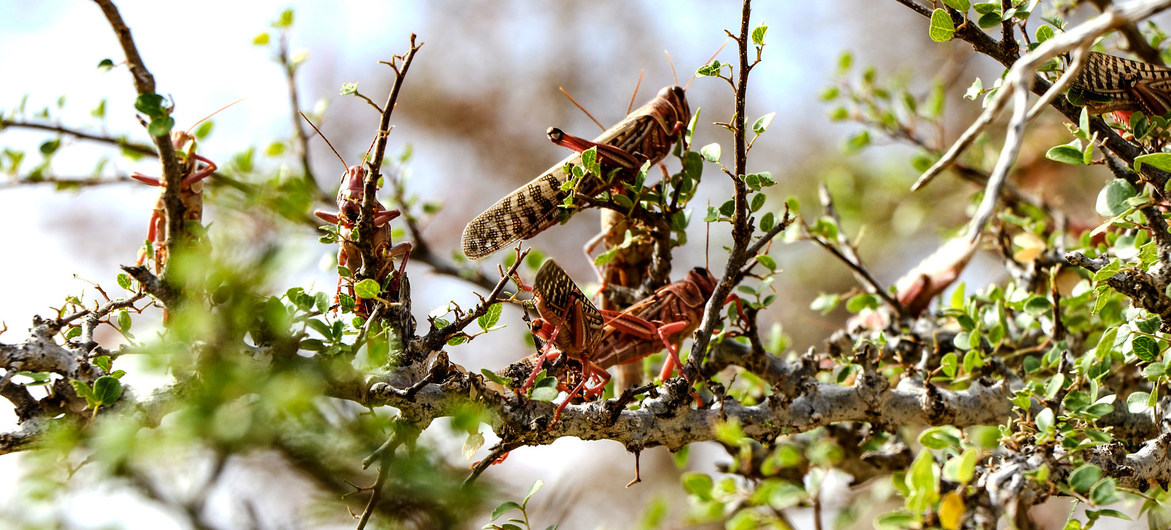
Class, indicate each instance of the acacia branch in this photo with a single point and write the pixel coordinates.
(741, 222)
(144, 83)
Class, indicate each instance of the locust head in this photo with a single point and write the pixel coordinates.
(349, 195)
(670, 108)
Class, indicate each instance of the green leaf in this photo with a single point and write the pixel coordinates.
(949, 363)
(285, 20)
(151, 105)
(1045, 422)
(710, 152)
(1136, 402)
(825, 303)
(491, 376)
(107, 390)
(1037, 305)
(1044, 33)
(260, 40)
(698, 484)
(1104, 492)
(103, 362)
(124, 321)
(1146, 348)
(766, 260)
(758, 35)
(709, 70)
(124, 281)
(504, 508)
(489, 319)
(862, 301)
(1066, 154)
(161, 126)
(958, 5)
(857, 142)
(942, 28)
(532, 490)
(1112, 199)
(83, 390)
(763, 122)
(367, 289)
(1084, 477)
(1156, 160)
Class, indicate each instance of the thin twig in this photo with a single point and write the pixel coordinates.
(122, 142)
(741, 223)
(144, 83)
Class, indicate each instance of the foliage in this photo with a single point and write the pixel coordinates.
(1050, 383)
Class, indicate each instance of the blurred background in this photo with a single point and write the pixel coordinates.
(473, 112)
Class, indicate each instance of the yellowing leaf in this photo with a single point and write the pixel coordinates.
(1031, 246)
(951, 511)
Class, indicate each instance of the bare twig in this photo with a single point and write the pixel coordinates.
(122, 142)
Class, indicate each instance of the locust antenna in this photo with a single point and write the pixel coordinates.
(709, 61)
(578, 105)
(208, 117)
(319, 133)
(635, 94)
(671, 63)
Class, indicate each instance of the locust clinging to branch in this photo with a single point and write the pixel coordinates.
(646, 134)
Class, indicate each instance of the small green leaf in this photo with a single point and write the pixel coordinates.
(1084, 477)
(698, 484)
(1066, 154)
(1044, 33)
(367, 289)
(504, 508)
(107, 390)
(533, 490)
(1045, 422)
(1146, 348)
(105, 64)
(1136, 402)
(489, 319)
(710, 152)
(1112, 199)
(83, 390)
(124, 281)
(161, 126)
(124, 321)
(1104, 492)
(958, 5)
(825, 303)
(758, 35)
(949, 363)
(1156, 160)
(260, 40)
(285, 20)
(763, 122)
(151, 105)
(942, 28)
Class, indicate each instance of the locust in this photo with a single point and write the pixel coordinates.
(646, 134)
(194, 169)
(1112, 84)
(598, 339)
(570, 325)
(349, 201)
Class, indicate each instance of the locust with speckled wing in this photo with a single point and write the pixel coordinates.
(1108, 84)
(647, 133)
